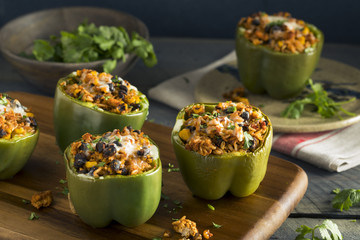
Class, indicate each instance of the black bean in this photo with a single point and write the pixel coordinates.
(135, 106)
(2, 133)
(276, 28)
(245, 128)
(110, 150)
(245, 115)
(83, 146)
(111, 87)
(121, 107)
(143, 152)
(267, 29)
(140, 152)
(191, 128)
(123, 88)
(100, 146)
(146, 151)
(80, 160)
(121, 95)
(80, 155)
(124, 171)
(255, 22)
(97, 97)
(137, 131)
(254, 144)
(115, 165)
(240, 124)
(33, 122)
(129, 128)
(118, 143)
(218, 141)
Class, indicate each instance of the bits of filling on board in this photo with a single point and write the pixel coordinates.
(42, 199)
(188, 229)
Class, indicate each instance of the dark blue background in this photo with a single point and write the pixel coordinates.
(339, 20)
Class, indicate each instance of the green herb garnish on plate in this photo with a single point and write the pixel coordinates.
(318, 98)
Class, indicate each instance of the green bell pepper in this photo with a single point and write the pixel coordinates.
(129, 200)
(210, 177)
(15, 152)
(73, 118)
(281, 75)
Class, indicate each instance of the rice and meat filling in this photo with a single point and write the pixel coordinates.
(230, 127)
(280, 32)
(111, 94)
(15, 119)
(125, 152)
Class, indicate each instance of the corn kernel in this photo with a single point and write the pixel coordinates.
(90, 164)
(198, 109)
(185, 134)
(7, 136)
(302, 40)
(19, 131)
(306, 31)
(280, 43)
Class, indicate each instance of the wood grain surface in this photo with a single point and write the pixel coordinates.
(254, 217)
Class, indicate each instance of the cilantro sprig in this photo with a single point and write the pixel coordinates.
(90, 43)
(248, 140)
(318, 98)
(345, 199)
(323, 228)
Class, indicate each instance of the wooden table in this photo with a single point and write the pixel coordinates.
(254, 217)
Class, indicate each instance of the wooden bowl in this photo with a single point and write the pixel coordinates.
(18, 36)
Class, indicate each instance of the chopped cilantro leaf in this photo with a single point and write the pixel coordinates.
(248, 140)
(216, 225)
(33, 216)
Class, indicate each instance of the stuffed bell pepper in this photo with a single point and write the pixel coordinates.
(19, 134)
(276, 53)
(88, 101)
(222, 147)
(114, 176)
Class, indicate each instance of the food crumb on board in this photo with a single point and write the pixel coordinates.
(188, 230)
(42, 199)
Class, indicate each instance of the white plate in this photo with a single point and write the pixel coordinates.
(342, 79)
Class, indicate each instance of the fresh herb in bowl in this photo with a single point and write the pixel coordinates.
(90, 43)
(318, 97)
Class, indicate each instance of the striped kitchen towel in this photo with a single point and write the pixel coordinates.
(337, 150)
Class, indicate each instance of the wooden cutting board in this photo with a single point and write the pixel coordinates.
(254, 217)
